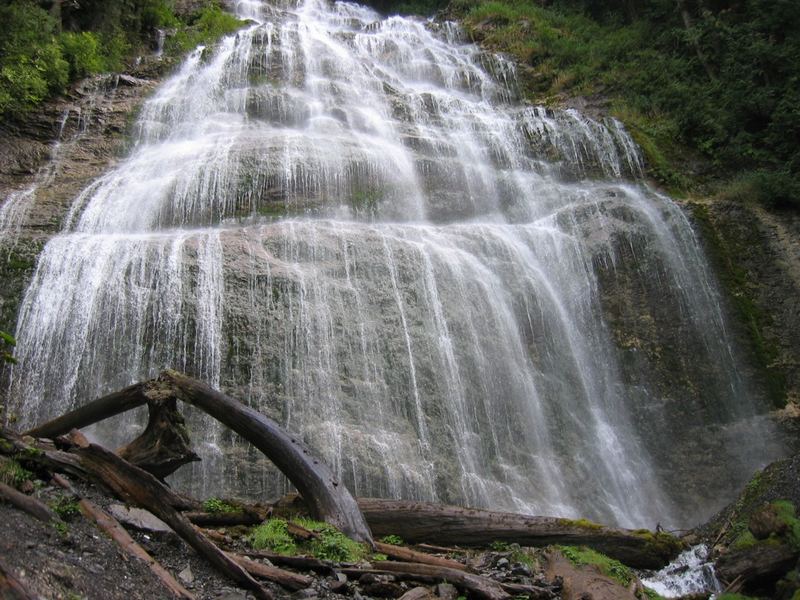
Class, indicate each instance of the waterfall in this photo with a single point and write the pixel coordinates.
(353, 224)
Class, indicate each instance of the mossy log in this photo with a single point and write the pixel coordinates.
(756, 565)
(425, 522)
(327, 498)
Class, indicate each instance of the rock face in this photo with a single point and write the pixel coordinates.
(476, 302)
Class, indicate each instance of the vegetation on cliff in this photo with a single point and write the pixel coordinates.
(46, 44)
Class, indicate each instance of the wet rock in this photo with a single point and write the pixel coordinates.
(380, 586)
(417, 593)
(138, 518)
(186, 576)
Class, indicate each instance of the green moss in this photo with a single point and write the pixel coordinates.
(582, 523)
(12, 473)
(740, 291)
(661, 543)
(581, 555)
(273, 535)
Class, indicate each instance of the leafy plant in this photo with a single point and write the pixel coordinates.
(608, 566)
(82, 51)
(12, 473)
(65, 507)
(273, 535)
(7, 341)
(394, 540)
(215, 505)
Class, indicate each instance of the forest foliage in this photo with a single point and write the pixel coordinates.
(709, 88)
(46, 44)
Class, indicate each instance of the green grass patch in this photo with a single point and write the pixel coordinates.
(273, 535)
(12, 473)
(582, 556)
(215, 505)
(394, 540)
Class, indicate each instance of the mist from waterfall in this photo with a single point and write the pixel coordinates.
(353, 224)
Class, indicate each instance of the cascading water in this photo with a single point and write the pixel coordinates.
(352, 224)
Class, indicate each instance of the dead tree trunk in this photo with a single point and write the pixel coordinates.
(424, 521)
(326, 497)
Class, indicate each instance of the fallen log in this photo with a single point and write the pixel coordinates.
(304, 563)
(289, 580)
(142, 489)
(423, 522)
(11, 588)
(407, 555)
(222, 519)
(757, 564)
(480, 587)
(26, 503)
(122, 538)
(327, 498)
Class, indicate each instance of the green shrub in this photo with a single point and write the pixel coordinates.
(394, 540)
(82, 51)
(215, 505)
(12, 473)
(31, 64)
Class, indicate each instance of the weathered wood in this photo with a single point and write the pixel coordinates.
(754, 565)
(477, 586)
(108, 406)
(407, 555)
(122, 538)
(289, 580)
(248, 516)
(11, 588)
(327, 498)
(304, 563)
(26, 503)
(163, 447)
(425, 522)
(140, 488)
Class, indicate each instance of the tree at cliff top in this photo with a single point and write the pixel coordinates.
(46, 44)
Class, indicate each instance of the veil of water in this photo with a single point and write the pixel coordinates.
(352, 224)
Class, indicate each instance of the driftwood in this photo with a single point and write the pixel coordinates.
(477, 586)
(26, 503)
(163, 446)
(424, 521)
(757, 564)
(304, 563)
(11, 588)
(247, 516)
(117, 533)
(326, 497)
(407, 555)
(289, 580)
(142, 489)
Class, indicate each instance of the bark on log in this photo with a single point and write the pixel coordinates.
(289, 580)
(26, 503)
(245, 517)
(142, 489)
(424, 522)
(480, 587)
(122, 538)
(759, 563)
(327, 498)
(305, 563)
(407, 555)
(163, 447)
(11, 588)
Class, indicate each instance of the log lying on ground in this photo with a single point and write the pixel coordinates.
(247, 516)
(480, 587)
(11, 588)
(327, 498)
(425, 522)
(408, 555)
(289, 580)
(143, 489)
(757, 564)
(26, 503)
(117, 533)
